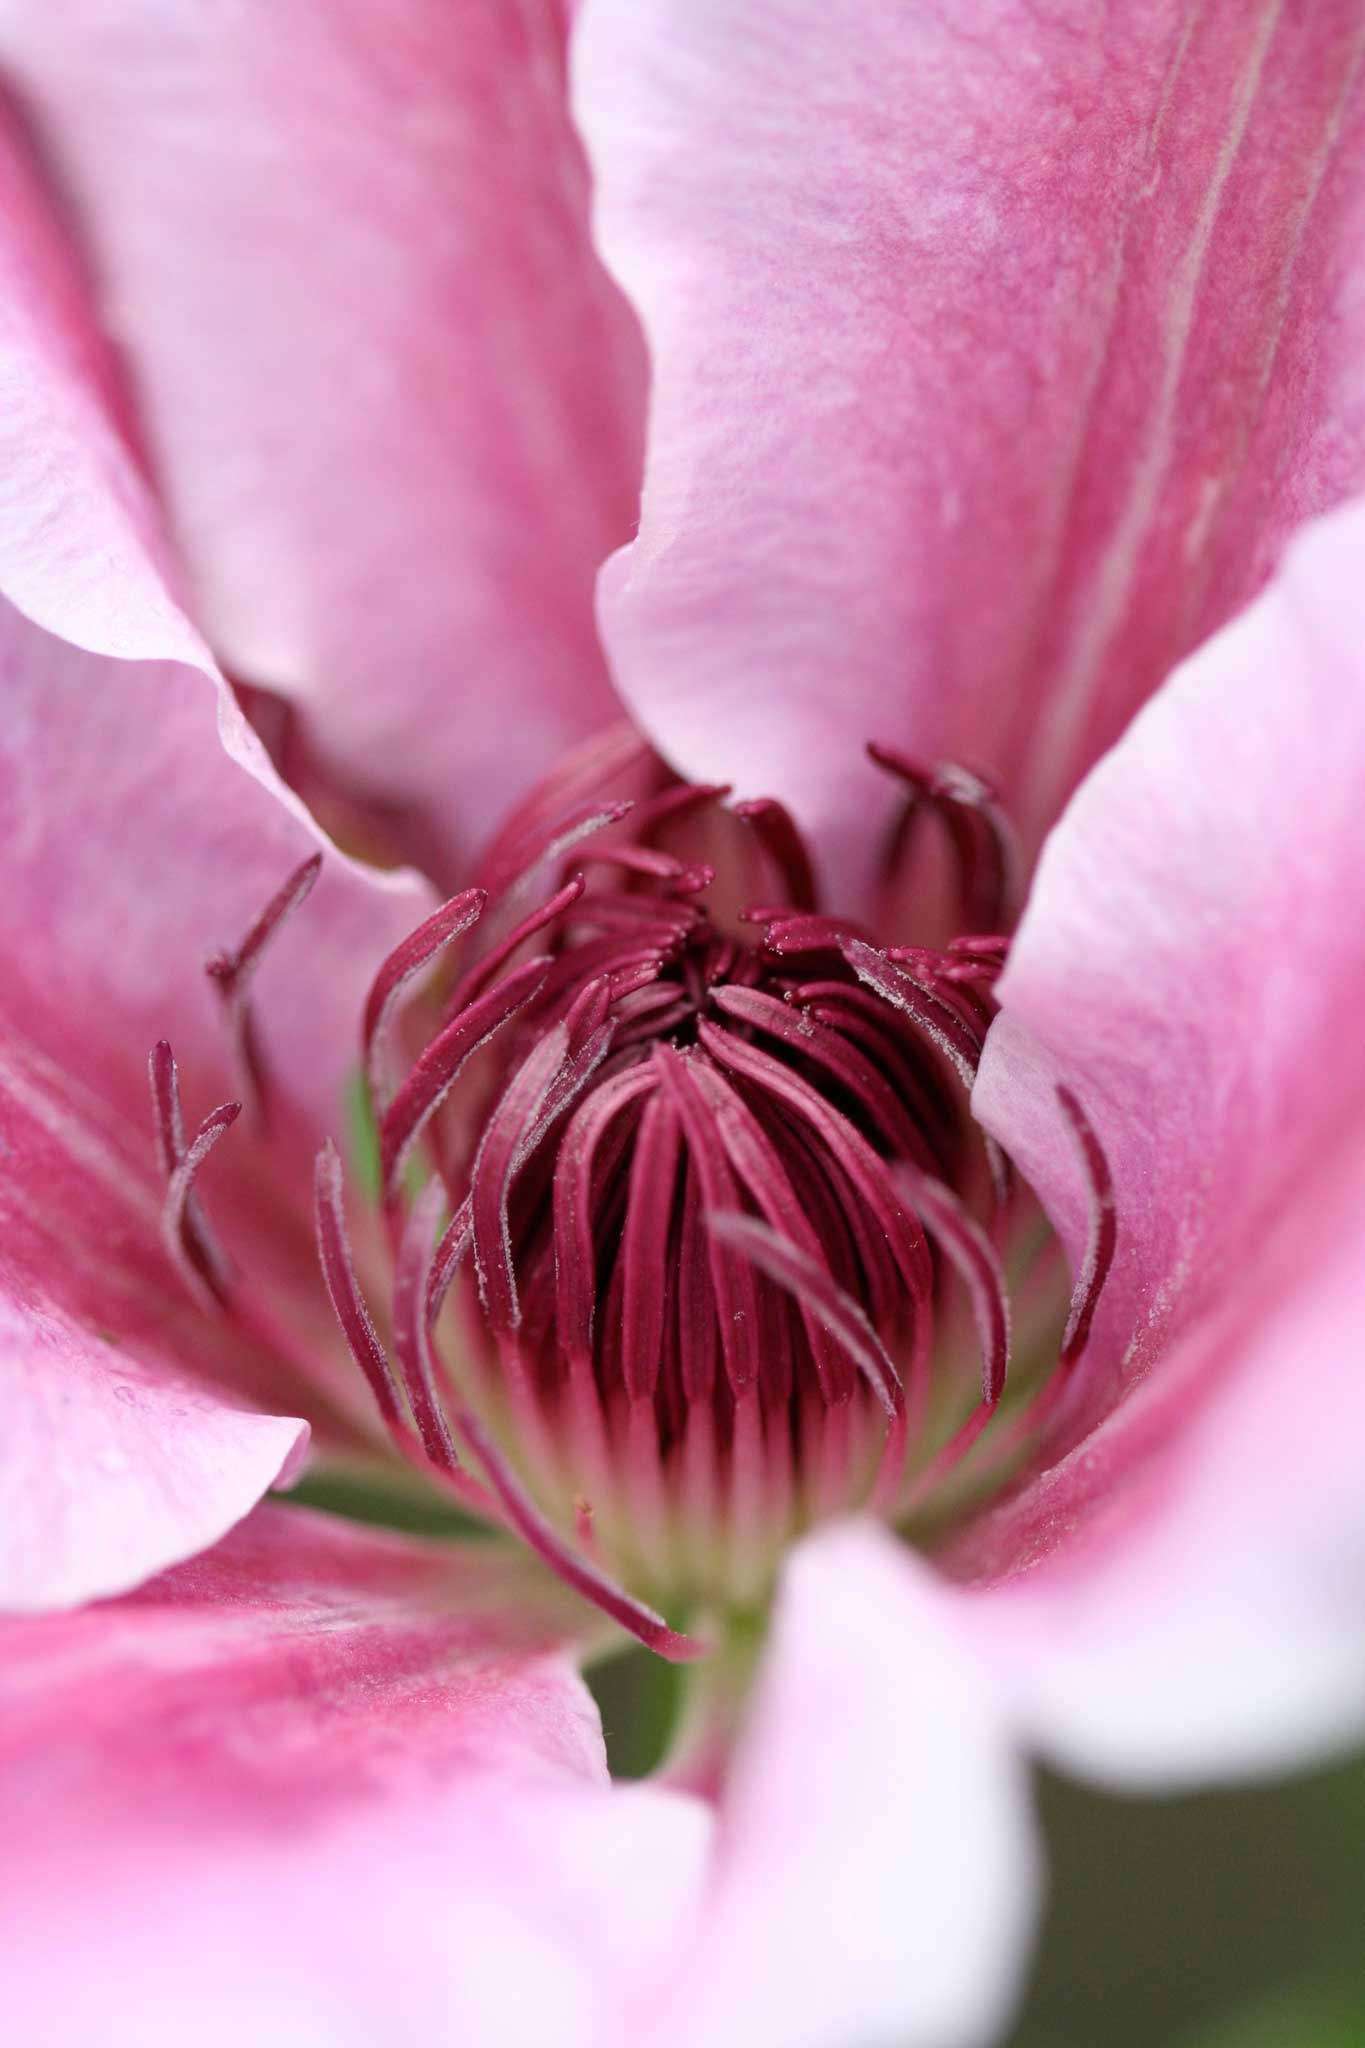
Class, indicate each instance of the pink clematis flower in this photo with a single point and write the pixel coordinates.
(749, 1112)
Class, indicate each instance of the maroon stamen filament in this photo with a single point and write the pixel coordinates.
(978, 831)
(1103, 1237)
(418, 952)
(193, 1249)
(232, 974)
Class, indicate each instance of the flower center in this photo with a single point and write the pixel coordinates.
(708, 1180)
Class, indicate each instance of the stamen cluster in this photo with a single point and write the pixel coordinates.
(676, 1186)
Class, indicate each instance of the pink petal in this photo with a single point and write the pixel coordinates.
(874, 1876)
(140, 827)
(1197, 1611)
(322, 1785)
(391, 396)
(995, 349)
(127, 1441)
(113, 1459)
(1192, 965)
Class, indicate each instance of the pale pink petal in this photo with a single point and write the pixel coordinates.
(305, 1660)
(140, 828)
(1193, 952)
(995, 350)
(128, 1441)
(115, 1460)
(1192, 965)
(392, 399)
(323, 1785)
(874, 1877)
(1198, 1608)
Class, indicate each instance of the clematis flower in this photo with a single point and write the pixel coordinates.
(906, 1279)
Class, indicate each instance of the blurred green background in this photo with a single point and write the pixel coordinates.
(1231, 1920)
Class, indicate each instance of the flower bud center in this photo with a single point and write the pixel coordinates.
(699, 1306)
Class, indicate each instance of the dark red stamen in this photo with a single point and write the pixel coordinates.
(637, 860)
(232, 974)
(1103, 1238)
(736, 1301)
(343, 1288)
(419, 951)
(411, 1336)
(611, 766)
(495, 1165)
(574, 1237)
(853, 1155)
(452, 1250)
(966, 1244)
(427, 1439)
(789, 936)
(978, 830)
(505, 880)
(806, 1278)
(845, 1065)
(758, 1164)
(953, 1036)
(477, 978)
(185, 1232)
(650, 1628)
(440, 1066)
(672, 806)
(782, 841)
(644, 1246)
